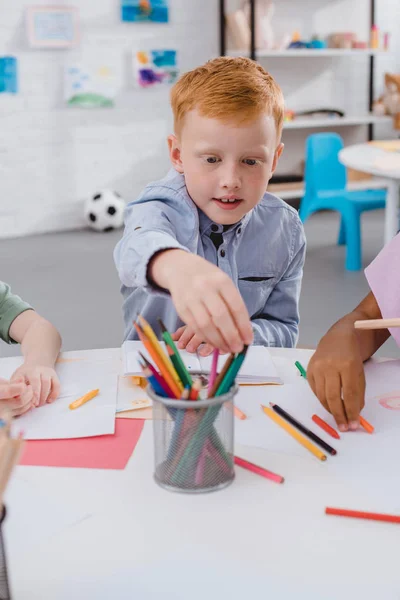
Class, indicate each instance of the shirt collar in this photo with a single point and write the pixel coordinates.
(207, 225)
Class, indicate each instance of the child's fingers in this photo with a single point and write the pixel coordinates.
(11, 390)
(222, 319)
(333, 393)
(238, 310)
(55, 389)
(185, 337)
(194, 343)
(353, 397)
(177, 334)
(45, 388)
(36, 384)
(206, 350)
(207, 329)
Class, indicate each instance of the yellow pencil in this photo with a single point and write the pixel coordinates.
(148, 331)
(83, 399)
(294, 433)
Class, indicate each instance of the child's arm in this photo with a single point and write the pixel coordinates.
(40, 345)
(278, 323)
(336, 372)
(205, 298)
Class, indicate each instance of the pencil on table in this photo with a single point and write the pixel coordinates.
(357, 514)
(367, 426)
(245, 464)
(377, 323)
(293, 432)
(83, 399)
(321, 423)
(239, 414)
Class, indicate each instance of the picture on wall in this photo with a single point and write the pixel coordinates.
(155, 67)
(52, 26)
(94, 86)
(144, 10)
(8, 75)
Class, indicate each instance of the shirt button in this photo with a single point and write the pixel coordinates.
(222, 253)
(239, 231)
(214, 227)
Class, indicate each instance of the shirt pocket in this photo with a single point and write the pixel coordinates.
(255, 291)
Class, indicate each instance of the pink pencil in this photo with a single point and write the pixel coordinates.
(240, 462)
(213, 372)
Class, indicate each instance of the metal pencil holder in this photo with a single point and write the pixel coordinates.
(193, 442)
(4, 587)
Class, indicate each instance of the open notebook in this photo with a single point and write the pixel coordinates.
(257, 368)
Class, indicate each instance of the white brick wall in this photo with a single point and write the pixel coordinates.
(52, 157)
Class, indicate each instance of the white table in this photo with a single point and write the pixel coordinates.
(369, 158)
(254, 540)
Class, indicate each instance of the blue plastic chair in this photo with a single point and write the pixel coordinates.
(325, 189)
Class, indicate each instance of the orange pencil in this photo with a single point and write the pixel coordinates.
(367, 426)
(83, 399)
(151, 336)
(156, 357)
(239, 414)
(358, 514)
(325, 427)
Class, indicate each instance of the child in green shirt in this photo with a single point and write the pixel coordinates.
(35, 382)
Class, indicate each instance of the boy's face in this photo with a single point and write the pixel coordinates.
(226, 166)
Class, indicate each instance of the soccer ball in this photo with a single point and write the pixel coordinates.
(104, 211)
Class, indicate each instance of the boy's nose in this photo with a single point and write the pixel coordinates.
(230, 179)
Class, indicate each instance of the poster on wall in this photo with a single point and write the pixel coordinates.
(144, 10)
(52, 26)
(8, 75)
(155, 67)
(91, 86)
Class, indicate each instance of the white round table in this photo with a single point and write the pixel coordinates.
(383, 164)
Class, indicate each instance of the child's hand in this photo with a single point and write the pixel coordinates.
(188, 340)
(336, 376)
(44, 382)
(15, 396)
(205, 298)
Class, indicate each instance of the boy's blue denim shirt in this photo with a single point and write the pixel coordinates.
(263, 254)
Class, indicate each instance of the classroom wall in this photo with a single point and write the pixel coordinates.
(53, 157)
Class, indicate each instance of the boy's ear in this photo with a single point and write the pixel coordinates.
(175, 153)
(277, 155)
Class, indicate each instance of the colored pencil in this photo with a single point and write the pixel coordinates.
(240, 462)
(307, 432)
(213, 372)
(151, 336)
(293, 432)
(158, 389)
(358, 514)
(83, 399)
(164, 385)
(321, 423)
(167, 392)
(221, 375)
(179, 365)
(176, 443)
(194, 392)
(377, 324)
(233, 370)
(239, 414)
(160, 364)
(367, 426)
(301, 369)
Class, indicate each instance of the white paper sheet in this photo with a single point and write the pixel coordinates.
(257, 367)
(56, 420)
(129, 395)
(359, 453)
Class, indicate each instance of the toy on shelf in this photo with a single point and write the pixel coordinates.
(265, 37)
(389, 102)
(104, 211)
(316, 113)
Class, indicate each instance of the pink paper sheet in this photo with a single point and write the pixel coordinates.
(100, 452)
(383, 276)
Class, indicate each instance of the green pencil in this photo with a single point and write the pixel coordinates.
(301, 369)
(175, 356)
(233, 370)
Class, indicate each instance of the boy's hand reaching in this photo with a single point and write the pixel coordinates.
(43, 381)
(188, 340)
(16, 396)
(205, 298)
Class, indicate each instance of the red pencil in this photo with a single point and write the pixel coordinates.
(357, 514)
(240, 462)
(325, 427)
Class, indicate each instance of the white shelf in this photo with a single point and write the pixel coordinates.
(366, 184)
(307, 52)
(315, 122)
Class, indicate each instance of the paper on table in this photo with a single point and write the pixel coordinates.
(130, 396)
(101, 452)
(56, 420)
(258, 365)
